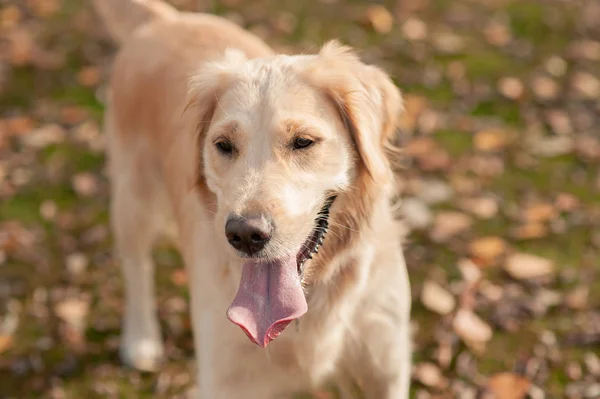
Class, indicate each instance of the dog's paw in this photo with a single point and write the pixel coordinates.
(143, 354)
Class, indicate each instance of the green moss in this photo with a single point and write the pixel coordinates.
(506, 110)
(455, 142)
(565, 250)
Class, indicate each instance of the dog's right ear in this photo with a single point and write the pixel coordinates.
(204, 89)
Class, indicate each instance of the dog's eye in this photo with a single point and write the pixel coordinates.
(225, 147)
(302, 142)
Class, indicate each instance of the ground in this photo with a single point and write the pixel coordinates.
(500, 176)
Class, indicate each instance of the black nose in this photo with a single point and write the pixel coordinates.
(248, 234)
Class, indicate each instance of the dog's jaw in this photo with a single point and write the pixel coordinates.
(270, 295)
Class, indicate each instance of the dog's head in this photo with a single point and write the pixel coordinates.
(280, 138)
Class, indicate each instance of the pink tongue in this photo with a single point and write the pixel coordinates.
(269, 298)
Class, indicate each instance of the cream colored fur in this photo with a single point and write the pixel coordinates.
(175, 91)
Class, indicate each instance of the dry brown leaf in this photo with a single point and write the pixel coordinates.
(85, 184)
(179, 277)
(73, 312)
(73, 114)
(379, 18)
(508, 386)
(77, 263)
(10, 16)
(448, 224)
(436, 160)
(539, 213)
(566, 202)
(436, 298)
(420, 147)
(45, 8)
(19, 125)
(511, 87)
(578, 298)
(586, 85)
(88, 76)
(414, 106)
(488, 249)
(522, 266)
(430, 375)
(44, 136)
(21, 47)
(530, 231)
(491, 140)
(6, 341)
(497, 34)
(482, 207)
(416, 213)
(471, 328)
(414, 29)
(545, 88)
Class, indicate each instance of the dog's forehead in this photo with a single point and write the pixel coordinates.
(267, 90)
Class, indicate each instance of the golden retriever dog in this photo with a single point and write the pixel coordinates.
(274, 169)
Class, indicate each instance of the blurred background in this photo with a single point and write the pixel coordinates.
(501, 186)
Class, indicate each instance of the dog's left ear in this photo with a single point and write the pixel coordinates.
(368, 101)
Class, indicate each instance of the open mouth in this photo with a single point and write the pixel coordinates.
(316, 238)
(270, 295)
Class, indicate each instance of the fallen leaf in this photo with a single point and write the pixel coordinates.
(73, 114)
(379, 18)
(560, 122)
(179, 277)
(482, 207)
(416, 213)
(490, 140)
(578, 298)
(556, 66)
(88, 76)
(77, 263)
(508, 386)
(19, 125)
(10, 16)
(420, 147)
(530, 231)
(433, 191)
(552, 146)
(414, 29)
(48, 210)
(73, 312)
(574, 371)
(545, 88)
(522, 266)
(497, 33)
(586, 85)
(592, 363)
(430, 375)
(45, 8)
(511, 87)
(44, 136)
(471, 273)
(85, 184)
(566, 202)
(437, 299)
(414, 106)
(448, 42)
(471, 329)
(21, 46)
(448, 224)
(438, 159)
(488, 248)
(539, 213)
(6, 341)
